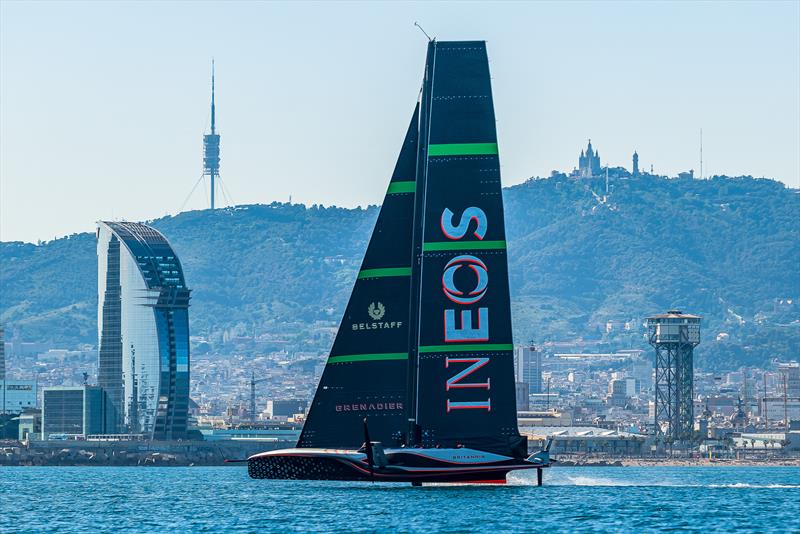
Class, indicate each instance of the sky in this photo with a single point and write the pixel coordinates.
(103, 104)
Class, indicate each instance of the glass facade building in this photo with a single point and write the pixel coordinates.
(143, 331)
(73, 410)
(17, 395)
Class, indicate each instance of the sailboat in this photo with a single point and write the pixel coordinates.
(419, 383)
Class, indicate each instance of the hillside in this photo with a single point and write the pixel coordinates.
(725, 248)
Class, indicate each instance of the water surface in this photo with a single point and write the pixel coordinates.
(574, 499)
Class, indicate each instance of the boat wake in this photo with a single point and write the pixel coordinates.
(748, 486)
(524, 479)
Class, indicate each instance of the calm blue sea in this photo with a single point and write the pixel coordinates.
(224, 499)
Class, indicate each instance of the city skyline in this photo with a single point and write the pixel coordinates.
(306, 110)
(564, 236)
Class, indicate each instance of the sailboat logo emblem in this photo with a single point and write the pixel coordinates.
(376, 312)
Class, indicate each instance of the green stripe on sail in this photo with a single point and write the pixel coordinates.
(463, 149)
(402, 187)
(368, 357)
(482, 347)
(464, 245)
(382, 273)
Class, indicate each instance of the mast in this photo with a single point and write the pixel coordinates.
(766, 415)
(412, 436)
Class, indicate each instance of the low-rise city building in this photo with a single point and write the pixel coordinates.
(17, 395)
(73, 411)
(586, 440)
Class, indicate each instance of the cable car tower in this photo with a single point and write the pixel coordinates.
(674, 335)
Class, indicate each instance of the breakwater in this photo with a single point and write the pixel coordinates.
(130, 453)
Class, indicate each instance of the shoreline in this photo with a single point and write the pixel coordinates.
(214, 453)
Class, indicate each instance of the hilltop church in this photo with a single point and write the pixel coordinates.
(589, 163)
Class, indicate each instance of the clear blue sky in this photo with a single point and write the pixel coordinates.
(103, 105)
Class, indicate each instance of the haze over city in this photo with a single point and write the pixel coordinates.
(312, 99)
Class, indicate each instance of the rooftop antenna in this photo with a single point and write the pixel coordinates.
(423, 31)
(213, 114)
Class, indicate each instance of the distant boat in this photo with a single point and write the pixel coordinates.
(419, 384)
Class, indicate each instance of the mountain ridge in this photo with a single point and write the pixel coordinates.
(724, 248)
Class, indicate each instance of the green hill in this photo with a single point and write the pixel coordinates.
(725, 248)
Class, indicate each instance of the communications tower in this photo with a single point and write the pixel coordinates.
(674, 335)
(211, 145)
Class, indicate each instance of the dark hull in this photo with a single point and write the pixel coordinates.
(347, 468)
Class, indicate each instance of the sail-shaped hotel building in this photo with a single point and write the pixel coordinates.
(143, 331)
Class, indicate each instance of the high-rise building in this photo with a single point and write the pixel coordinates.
(73, 410)
(589, 163)
(620, 390)
(617, 392)
(791, 372)
(642, 370)
(635, 163)
(143, 331)
(528, 367)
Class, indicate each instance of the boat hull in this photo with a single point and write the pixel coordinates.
(402, 465)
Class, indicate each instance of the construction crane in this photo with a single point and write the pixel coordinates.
(253, 383)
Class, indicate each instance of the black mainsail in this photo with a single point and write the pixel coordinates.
(422, 362)
(365, 375)
(462, 353)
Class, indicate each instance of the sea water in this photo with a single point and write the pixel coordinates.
(224, 499)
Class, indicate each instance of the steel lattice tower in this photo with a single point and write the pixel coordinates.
(674, 336)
